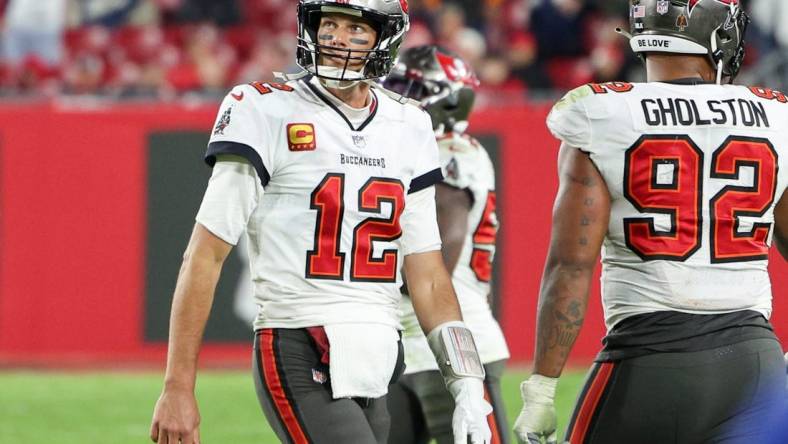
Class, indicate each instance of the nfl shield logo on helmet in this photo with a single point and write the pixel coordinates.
(663, 6)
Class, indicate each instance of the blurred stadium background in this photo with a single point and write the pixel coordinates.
(105, 110)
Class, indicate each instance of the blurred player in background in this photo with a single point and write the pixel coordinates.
(420, 406)
(683, 180)
(332, 181)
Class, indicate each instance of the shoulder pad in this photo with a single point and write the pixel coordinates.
(399, 98)
(769, 94)
(574, 96)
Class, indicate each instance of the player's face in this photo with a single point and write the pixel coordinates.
(347, 33)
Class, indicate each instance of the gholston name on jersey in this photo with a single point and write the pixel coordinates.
(689, 112)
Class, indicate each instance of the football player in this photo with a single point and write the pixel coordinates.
(332, 181)
(683, 181)
(419, 404)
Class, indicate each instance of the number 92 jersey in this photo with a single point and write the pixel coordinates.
(694, 173)
(338, 211)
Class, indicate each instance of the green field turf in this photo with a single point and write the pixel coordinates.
(115, 408)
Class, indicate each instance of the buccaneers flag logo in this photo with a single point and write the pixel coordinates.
(693, 3)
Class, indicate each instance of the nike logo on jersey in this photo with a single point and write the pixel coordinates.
(238, 97)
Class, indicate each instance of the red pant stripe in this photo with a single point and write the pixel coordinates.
(274, 386)
(496, 435)
(590, 402)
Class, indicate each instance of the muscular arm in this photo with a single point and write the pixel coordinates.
(429, 285)
(580, 220)
(781, 225)
(176, 412)
(453, 206)
(191, 305)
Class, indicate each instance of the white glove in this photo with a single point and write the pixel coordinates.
(470, 411)
(537, 418)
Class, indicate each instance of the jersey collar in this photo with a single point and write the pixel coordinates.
(373, 107)
(688, 81)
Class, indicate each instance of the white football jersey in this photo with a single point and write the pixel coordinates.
(694, 173)
(466, 166)
(327, 236)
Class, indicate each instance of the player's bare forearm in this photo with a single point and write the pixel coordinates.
(191, 305)
(580, 220)
(430, 289)
(781, 226)
(453, 206)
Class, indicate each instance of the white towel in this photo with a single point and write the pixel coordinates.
(363, 358)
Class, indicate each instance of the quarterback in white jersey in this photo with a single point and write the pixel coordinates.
(444, 85)
(682, 184)
(331, 180)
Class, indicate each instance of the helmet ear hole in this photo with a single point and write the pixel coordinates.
(724, 36)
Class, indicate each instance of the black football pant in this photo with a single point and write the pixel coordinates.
(732, 394)
(421, 408)
(295, 393)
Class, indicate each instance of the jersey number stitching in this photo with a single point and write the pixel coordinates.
(481, 258)
(325, 261)
(663, 174)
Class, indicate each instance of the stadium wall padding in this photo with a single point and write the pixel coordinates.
(96, 207)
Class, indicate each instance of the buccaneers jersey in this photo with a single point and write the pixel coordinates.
(694, 173)
(466, 166)
(327, 236)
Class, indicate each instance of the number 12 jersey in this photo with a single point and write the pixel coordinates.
(342, 201)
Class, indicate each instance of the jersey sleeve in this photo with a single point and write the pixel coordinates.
(427, 171)
(230, 199)
(459, 158)
(569, 122)
(419, 223)
(239, 130)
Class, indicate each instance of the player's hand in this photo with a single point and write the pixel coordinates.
(176, 418)
(470, 411)
(536, 423)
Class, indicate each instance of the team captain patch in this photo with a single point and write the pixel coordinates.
(301, 137)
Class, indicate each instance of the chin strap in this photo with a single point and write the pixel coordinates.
(717, 56)
(391, 94)
(285, 77)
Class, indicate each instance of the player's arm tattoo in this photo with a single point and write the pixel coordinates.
(580, 219)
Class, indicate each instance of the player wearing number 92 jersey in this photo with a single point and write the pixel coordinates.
(694, 172)
(681, 183)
